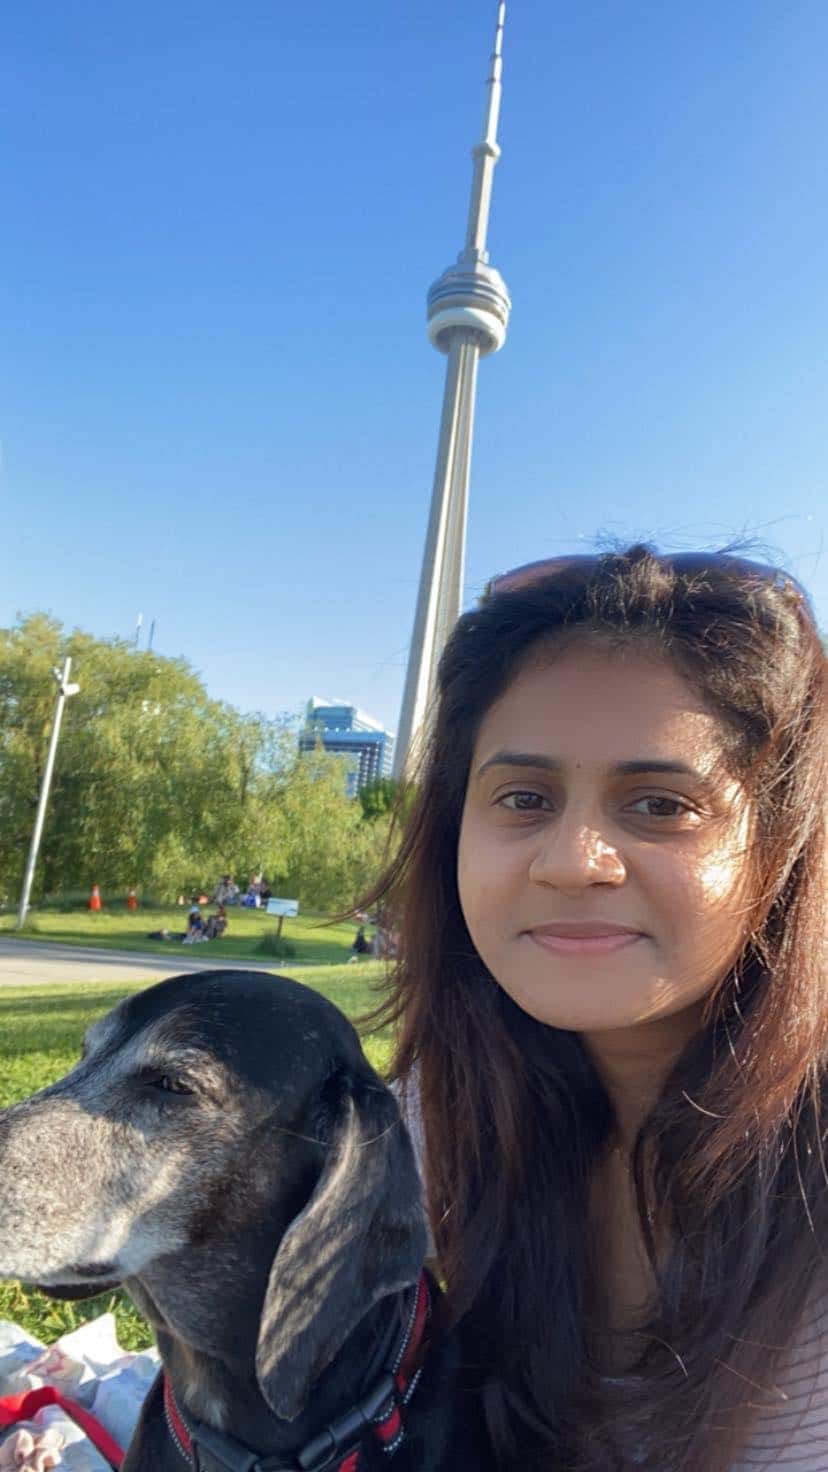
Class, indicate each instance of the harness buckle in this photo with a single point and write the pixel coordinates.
(214, 1451)
(342, 1437)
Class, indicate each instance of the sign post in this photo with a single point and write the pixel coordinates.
(282, 908)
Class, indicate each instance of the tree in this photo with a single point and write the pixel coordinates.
(331, 849)
(158, 786)
(130, 773)
(378, 797)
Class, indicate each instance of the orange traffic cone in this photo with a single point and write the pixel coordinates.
(95, 902)
(132, 900)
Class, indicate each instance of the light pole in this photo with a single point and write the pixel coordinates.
(65, 690)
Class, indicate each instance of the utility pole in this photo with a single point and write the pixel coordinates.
(65, 690)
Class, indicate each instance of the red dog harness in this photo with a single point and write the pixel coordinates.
(337, 1448)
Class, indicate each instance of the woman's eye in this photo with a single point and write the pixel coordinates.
(523, 802)
(660, 807)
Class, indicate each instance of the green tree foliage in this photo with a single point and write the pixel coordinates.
(160, 787)
(388, 798)
(378, 797)
(334, 852)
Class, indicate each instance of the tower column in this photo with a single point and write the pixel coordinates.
(454, 559)
(440, 593)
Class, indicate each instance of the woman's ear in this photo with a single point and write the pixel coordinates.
(361, 1237)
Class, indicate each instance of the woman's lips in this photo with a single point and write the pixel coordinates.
(586, 943)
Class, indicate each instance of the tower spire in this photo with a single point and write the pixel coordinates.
(486, 153)
(468, 314)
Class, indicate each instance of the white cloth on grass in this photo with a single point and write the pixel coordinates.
(90, 1367)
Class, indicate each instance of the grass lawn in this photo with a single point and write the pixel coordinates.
(315, 939)
(40, 1034)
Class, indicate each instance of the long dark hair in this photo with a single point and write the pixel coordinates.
(730, 1160)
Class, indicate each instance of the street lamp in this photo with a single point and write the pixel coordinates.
(65, 690)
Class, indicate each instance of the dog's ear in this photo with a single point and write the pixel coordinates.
(361, 1236)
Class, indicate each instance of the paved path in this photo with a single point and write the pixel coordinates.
(29, 962)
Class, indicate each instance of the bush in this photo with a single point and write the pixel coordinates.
(279, 946)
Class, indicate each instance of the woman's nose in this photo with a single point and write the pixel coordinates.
(575, 856)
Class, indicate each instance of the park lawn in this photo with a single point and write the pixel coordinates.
(40, 1035)
(316, 940)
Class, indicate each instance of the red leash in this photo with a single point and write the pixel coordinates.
(23, 1407)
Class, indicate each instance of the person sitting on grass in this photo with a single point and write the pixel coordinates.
(196, 927)
(216, 925)
(361, 946)
(227, 892)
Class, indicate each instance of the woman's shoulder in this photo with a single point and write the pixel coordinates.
(791, 1429)
(407, 1093)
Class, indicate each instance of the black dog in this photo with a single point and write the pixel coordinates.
(224, 1149)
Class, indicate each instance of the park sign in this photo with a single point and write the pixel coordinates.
(285, 908)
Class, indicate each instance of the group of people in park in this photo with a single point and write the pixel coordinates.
(201, 927)
(227, 892)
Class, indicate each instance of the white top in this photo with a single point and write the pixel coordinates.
(791, 1435)
(794, 1434)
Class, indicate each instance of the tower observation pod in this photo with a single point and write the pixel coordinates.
(468, 314)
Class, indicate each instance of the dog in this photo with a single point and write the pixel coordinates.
(224, 1150)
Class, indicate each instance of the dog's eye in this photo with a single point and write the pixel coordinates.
(168, 1083)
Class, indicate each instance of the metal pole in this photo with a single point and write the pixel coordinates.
(64, 691)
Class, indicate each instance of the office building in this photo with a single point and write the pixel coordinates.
(346, 731)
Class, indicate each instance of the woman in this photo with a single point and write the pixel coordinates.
(217, 924)
(612, 1016)
(196, 926)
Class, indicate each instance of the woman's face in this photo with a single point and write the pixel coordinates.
(602, 863)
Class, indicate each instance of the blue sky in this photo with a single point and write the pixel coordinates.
(218, 402)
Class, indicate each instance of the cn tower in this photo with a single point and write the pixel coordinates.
(468, 313)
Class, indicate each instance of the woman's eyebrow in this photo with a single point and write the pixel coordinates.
(546, 763)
